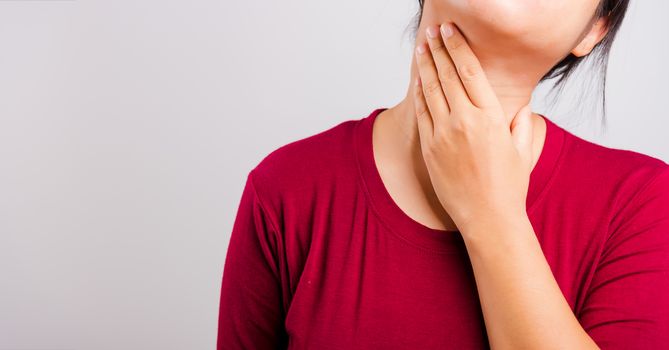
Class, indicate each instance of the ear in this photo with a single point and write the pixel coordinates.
(593, 37)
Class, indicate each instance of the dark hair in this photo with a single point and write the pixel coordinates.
(614, 11)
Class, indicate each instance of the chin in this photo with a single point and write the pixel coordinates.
(503, 26)
(494, 18)
(546, 27)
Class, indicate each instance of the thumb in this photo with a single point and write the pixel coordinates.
(522, 132)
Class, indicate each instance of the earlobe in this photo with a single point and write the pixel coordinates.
(592, 38)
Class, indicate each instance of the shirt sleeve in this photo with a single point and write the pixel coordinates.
(250, 312)
(627, 304)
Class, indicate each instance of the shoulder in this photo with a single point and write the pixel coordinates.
(304, 153)
(303, 166)
(308, 156)
(614, 162)
(619, 175)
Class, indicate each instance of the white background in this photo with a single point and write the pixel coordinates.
(127, 129)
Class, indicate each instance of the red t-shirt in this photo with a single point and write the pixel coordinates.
(321, 257)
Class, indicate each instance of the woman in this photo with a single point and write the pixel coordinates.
(458, 219)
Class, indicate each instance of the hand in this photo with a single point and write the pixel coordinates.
(478, 162)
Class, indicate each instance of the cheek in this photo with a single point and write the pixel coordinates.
(557, 31)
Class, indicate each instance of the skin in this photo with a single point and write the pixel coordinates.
(472, 141)
(514, 55)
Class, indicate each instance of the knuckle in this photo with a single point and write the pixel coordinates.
(426, 151)
(455, 42)
(460, 126)
(438, 49)
(448, 73)
(431, 150)
(469, 71)
(418, 91)
(421, 112)
(432, 88)
(440, 136)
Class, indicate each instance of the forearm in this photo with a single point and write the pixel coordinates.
(523, 306)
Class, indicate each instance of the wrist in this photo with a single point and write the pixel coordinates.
(493, 229)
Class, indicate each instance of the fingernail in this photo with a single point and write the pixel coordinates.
(446, 30)
(420, 48)
(431, 33)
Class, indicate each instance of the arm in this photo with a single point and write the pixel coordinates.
(522, 304)
(480, 173)
(251, 312)
(626, 305)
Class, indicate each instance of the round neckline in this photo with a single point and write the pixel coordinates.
(415, 233)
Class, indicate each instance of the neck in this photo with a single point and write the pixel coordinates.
(509, 77)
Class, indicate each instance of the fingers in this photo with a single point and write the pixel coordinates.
(423, 118)
(434, 96)
(455, 93)
(522, 134)
(468, 67)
